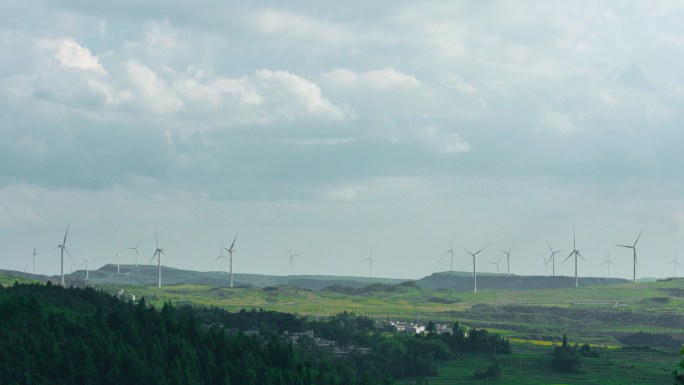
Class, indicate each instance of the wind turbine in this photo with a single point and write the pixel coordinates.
(87, 263)
(608, 262)
(634, 247)
(34, 260)
(553, 257)
(497, 264)
(292, 259)
(157, 253)
(675, 264)
(440, 261)
(230, 252)
(26, 267)
(545, 265)
(370, 259)
(474, 271)
(63, 249)
(221, 257)
(575, 252)
(136, 252)
(117, 261)
(508, 261)
(451, 252)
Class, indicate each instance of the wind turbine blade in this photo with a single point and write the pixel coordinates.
(483, 248)
(291, 258)
(231, 246)
(642, 230)
(611, 263)
(568, 257)
(288, 251)
(138, 245)
(603, 263)
(509, 250)
(65, 234)
(581, 256)
(677, 263)
(497, 262)
(153, 256)
(547, 243)
(629, 247)
(156, 238)
(220, 256)
(468, 252)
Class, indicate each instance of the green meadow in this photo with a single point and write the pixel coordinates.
(531, 364)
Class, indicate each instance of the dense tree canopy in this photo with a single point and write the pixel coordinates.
(55, 335)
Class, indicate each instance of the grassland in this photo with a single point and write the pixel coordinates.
(531, 364)
(533, 342)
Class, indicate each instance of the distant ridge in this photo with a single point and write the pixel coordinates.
(147, 275)
(14, 273)
(459, 282)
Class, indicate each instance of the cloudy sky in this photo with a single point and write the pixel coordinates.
(337, 128)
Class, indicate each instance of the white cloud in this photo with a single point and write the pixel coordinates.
(449, 143)
(459, 84)
(151, 88)
(281, 24)
(317, 142)
(73, 55)
(380, 80)
(346, 193)
(12, 216)
(556, 122)
(293, 92)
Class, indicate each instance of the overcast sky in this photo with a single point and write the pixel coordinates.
(337, 128)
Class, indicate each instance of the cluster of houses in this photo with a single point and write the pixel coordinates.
(408, 327)
(402, 327)
(320, 342)
(339, 350)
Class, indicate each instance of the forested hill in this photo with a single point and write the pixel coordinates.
(53, 335)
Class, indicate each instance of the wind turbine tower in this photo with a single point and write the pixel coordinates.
(117, 260)
(292, 259)
(553, 258)
(136, 252)
(87, 263)
(508, 260)
(451, 253)
(576, 253)
(230, 252)
(545, 266)
(63, 249)
(474, 268)
(221, 257)
(370, 264)
(440, 261)
(675, 264)
(608, 262)
(157, 253)
(634, 247)
(34, 260)
(497, 264)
